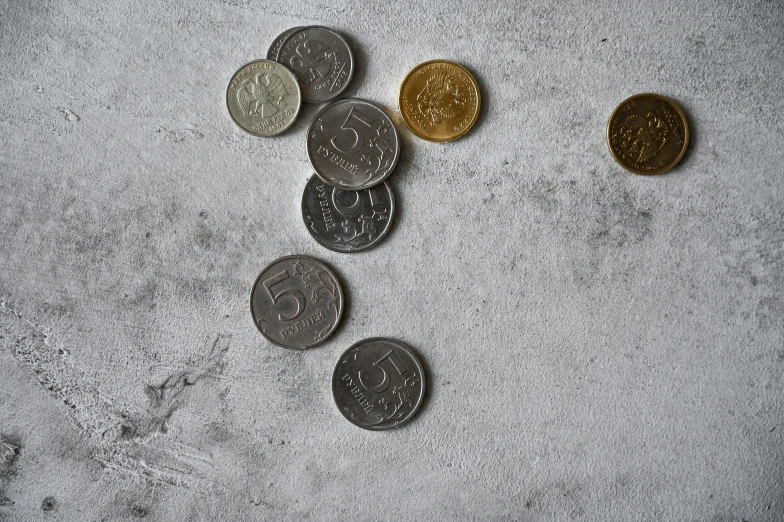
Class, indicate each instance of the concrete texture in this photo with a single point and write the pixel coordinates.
(601, 346)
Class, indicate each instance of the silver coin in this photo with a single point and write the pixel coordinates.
(263, 98)
(353, 144)
(347, 220)
(272, 52)
(378, 384)
(296, 302)
(322, 61)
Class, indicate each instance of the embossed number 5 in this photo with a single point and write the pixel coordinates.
(298, 296)
(381, 387)
(348, 125)
(352, 209)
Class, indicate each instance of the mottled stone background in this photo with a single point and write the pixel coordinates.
(601, 346)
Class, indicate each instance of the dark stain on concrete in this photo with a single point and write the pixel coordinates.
(10, 449)
(167, 397)
(139, 511)
(48, 504)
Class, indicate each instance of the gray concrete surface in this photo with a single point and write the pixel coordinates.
(601, 346)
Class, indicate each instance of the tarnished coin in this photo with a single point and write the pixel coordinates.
(322, 61)
(352, 144)
(648, 134)
(347, 220)
(378, 384)
(439, 100)
(263, 98)
(272, 52)
(296, 302)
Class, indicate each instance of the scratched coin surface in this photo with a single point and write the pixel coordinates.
(439, 100)
(296, 302)
(277, 43)
(378, 384)
(322, 61)
(263, 98)
(347, 220)
(352, 144)
(648, 134)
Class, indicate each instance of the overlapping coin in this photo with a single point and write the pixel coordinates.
(321, 59)
(263, 98)
(296, 302)
(353, 144)
(277, 43)
(378, 384)
(648, 134)
(439, 100)
(347, 220)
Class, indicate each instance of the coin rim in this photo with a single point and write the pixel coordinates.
(672, 164)
(296, 114)
(409, 126)
(406, 349)
(286, 33)
(337, 319)
(329, 106)
(350, 55)
(356, 250)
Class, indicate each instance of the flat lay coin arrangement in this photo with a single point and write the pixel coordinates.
(347, 206)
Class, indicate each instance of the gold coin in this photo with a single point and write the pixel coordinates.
(648, 134)
(263, 98)
(439, 100)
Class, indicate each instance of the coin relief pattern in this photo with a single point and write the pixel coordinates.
(263, 98)
(352, 144)
(347, 221)
(274, 49)
(378, 384)
(296, 302)
(648, 134)
(439, 100)
(320, 59)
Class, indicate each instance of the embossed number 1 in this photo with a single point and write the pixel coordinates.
(381, 387)
(348, 125)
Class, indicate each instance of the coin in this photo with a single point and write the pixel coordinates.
(439, 100)
(322, 61)
(347, 220)
(352, 144)
(272, 52)
(296, 302)
(648, 134)
(263, 98)
(378, 384)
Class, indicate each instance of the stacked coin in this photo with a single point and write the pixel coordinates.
(297, 301)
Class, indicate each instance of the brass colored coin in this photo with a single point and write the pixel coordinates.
(648, 134)
(263, 98)
(439, 100)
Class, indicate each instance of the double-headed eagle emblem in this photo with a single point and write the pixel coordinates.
(259, 96)
(644, 137)
(441, 99)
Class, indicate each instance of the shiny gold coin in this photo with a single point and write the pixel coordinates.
(648, 134)
(439, 100)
